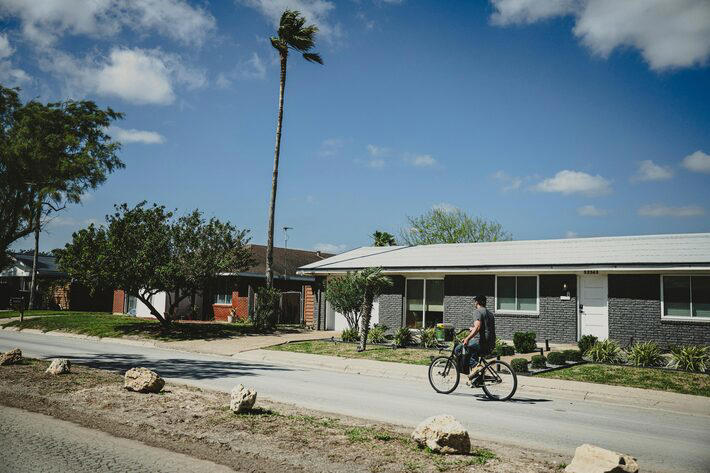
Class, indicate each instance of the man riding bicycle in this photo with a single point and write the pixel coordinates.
(481, 339)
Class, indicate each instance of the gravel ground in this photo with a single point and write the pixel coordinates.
(275, 438)
(34, 443)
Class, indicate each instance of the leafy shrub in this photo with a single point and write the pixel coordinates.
(427, 338)
(586, 342)
(351, 335)
(403, 337)
(524, 342)
(690, 358)
(645, 354)
(572, 355)
(377, 334)
(556, 358)
(538, 361)
(607, 351)
(519, 365)
(502, 348)
(267, 310)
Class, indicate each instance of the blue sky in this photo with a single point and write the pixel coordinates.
(556, 118)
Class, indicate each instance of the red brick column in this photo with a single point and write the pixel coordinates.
(119, 300)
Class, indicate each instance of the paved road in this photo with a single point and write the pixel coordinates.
(36, 443)
(662, 441)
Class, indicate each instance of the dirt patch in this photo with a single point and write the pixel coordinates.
(273, 438)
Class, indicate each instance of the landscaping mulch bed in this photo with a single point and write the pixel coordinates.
(273, 438)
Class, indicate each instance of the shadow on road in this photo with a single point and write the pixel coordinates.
(514, 400)
(173, 367)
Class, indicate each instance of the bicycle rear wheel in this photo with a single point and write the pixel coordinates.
(443, 375)
(499, 381)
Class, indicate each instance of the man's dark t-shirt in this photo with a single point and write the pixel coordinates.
(487, 334)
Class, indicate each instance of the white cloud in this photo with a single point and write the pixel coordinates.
(590, 211)
(10, 75)
(136, 136)
(253, 68)
(329, 247)
(571, 234)
(650, 171)
(137, 75)
(571, 182)
(669, 34)
(422, 160)
(509, 182)
(378, 151)
(223, 81)
(43, 22)
(697, 162)
(376, 163)
(445, 207)
(331, 147)
(316, 12)
(659, 210)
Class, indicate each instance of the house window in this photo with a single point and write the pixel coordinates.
(223, 293)
(685, 296)
(425, 302)
(517, 294)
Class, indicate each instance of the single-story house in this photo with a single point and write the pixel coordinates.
(236, 290)
(54, 290)
(654, 287)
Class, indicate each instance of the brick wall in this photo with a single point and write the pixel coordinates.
(59, 295)
(635, 311)
(119, 299)
(308, 306)
(240, 304)
(459, 292)
(391, 304)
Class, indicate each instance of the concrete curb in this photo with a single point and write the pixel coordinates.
(57, 333)
(527, 385)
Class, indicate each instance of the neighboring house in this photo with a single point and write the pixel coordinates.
(654, 287)
(237, 290)
(53, 289)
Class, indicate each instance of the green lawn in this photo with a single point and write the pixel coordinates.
(415, 356)
(107, 325)
(13, 313)
(645, 378)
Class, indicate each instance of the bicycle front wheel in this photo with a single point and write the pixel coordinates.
(499, 381)
(443, 375)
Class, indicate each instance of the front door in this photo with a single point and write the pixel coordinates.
(131, 305)
(594, 305)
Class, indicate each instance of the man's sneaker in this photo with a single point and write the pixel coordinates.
(475, 371)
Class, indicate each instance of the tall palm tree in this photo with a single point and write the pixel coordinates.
(373, 283)
(383, 239)
(293, 34)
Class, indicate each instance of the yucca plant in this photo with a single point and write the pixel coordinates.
(690, 358)
(350, 335)
(377, 334)
(427, 337)
(646, 354)
(607, 351)
(403, 337)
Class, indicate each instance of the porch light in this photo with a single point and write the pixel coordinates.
(565, 292)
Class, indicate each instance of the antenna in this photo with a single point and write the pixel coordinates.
(286, 229)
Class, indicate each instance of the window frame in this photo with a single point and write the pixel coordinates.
(424, 303)
(690, 317)
(515, 311)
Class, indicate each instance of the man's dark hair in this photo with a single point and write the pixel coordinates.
(481, 300)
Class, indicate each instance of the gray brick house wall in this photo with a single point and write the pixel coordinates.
(635, 311)
(459, 292)
(391, 305)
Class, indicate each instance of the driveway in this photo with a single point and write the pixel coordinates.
(661, 440)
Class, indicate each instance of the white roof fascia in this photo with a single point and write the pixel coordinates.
(557, 269)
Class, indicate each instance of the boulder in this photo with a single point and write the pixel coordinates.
(59, 366)
(593, 459)
(243, 399)
(143, 380)
(442, 434)
(11, 357)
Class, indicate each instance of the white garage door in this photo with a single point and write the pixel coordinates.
(594, 305)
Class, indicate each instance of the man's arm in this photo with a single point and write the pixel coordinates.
(474, 330)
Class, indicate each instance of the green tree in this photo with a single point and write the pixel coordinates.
(372, 283)
(446, 226)
(293, 34)
(144, 251)
(345, 295)
(383, 239)
(58, 152)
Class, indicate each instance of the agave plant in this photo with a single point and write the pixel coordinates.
(607, 351)
(690, 358)
(427, 338)
(646, 354)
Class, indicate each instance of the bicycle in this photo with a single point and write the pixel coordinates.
(496, 378)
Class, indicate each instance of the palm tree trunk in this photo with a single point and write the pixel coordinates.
(365, 319)
(275, 178)
(33, 281)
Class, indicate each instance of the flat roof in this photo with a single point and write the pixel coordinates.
(687, 249)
